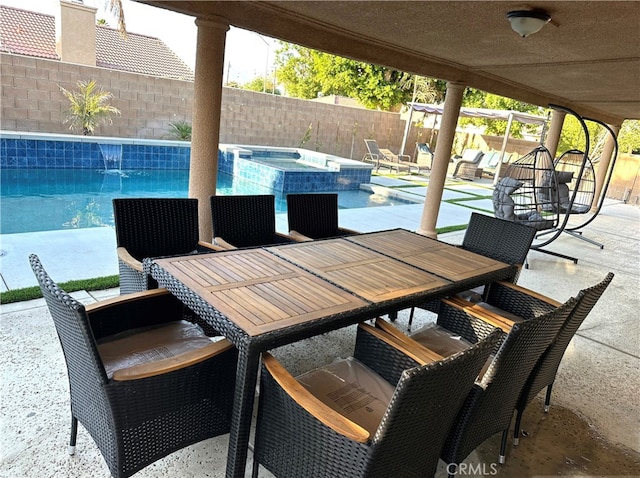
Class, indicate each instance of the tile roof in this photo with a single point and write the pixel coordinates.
(27, 33)
(138, 54)
(30, 33)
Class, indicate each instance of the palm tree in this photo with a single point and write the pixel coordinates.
(88, 107)
(115, 6)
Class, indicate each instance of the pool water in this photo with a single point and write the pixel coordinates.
(55, 199)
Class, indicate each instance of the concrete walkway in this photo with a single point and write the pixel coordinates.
(598, 382)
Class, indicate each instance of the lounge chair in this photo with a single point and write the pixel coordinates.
(385, 158)
(466, 165)
(423, 157)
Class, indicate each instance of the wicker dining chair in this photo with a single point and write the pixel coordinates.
(489, 407)
(314, 216)
(245, 221)
(529, 323)
(140, 410)
(153, 227)
(544, 373)
(497, 239)
(293, 441)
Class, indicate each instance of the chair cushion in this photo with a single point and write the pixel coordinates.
(440, 340)
(149, 344)
(472, 295)
(352, 389)
(499, 311)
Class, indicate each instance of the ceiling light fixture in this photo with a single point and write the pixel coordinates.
(526, 22)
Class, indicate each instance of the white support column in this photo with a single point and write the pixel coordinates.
(450, 113)
(603, 166)
(203, 172)
(555, 128)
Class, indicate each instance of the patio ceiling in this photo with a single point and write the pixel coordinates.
(587, 59)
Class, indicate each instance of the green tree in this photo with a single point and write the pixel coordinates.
(306, 73)
(88, 107)
(629, 137)
(259, 84)
(573, 137)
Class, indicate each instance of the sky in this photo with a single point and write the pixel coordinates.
(247, 54)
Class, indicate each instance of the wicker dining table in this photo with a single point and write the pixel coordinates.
(266, 297)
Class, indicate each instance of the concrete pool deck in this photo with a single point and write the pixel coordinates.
(94, 249)
(595, 411)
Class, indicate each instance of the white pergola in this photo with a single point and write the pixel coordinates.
(465, 112)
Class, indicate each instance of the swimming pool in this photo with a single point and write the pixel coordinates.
(54, 199)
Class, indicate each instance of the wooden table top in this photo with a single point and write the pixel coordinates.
(364, 272)
(444, 260)
(257, 290)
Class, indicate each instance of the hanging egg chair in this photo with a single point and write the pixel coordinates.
(575, 175)
(527, 191)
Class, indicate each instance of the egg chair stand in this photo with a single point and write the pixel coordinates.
(575, 230)
(576, 169)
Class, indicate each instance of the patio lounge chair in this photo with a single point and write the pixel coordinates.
(489, 164)
(466, 166)
(423, 157)
(386, 158)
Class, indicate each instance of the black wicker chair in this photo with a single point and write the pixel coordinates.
(153, 227)
(489, 407)
(245, 221)
(498, 239)
(544, 373)
(314, 216)
(142, 413)
(292, 441)
(529, 322)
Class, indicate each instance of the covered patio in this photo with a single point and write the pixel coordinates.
(585, 60)
(591, 428)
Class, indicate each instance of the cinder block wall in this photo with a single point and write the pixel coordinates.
(32, 101)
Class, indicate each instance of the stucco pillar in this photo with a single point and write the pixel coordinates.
(603, 165)
(555, 128)
(207, 101)
(450, 113)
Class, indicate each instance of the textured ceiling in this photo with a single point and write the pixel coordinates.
(586, 59)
